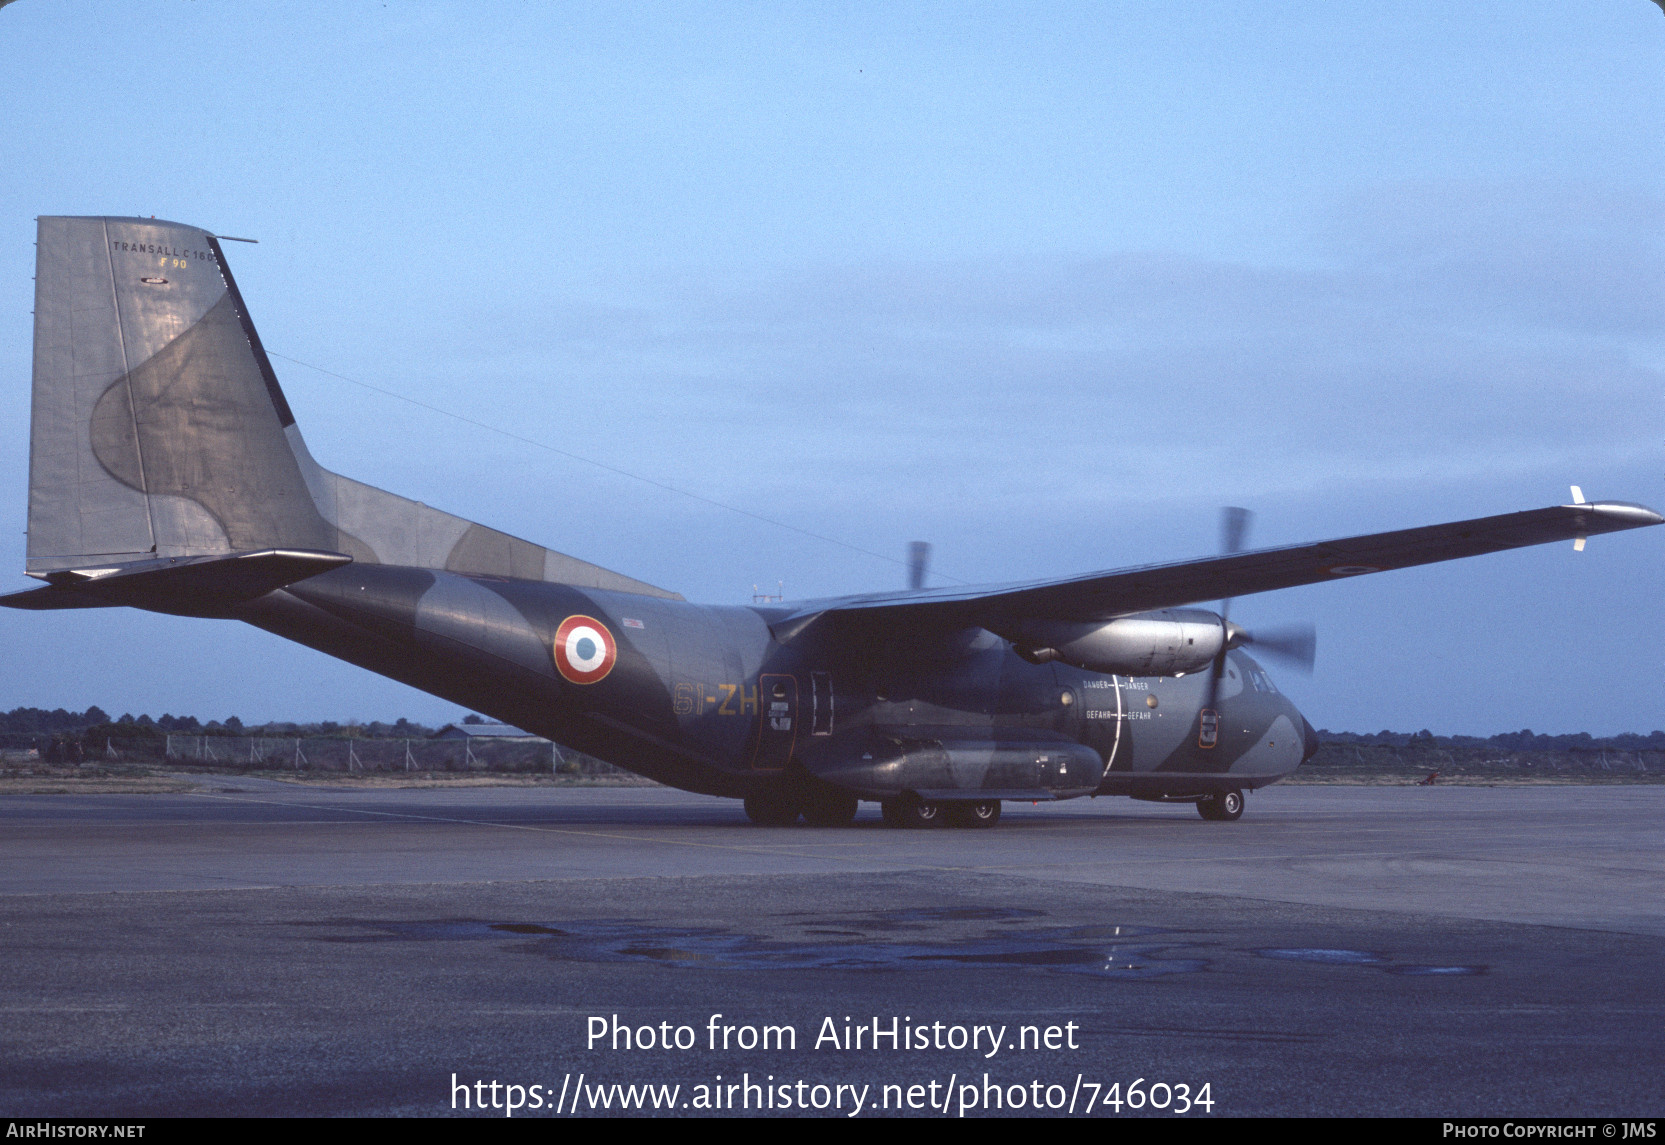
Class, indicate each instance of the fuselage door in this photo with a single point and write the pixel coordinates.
(777, 719)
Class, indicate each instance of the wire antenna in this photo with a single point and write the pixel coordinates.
(704, 500)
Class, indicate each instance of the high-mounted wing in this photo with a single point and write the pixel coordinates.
(1103, 595)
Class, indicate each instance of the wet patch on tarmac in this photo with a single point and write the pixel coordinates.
(879, 941)
(1101, 951)
(1326, 956)
(1336, 957)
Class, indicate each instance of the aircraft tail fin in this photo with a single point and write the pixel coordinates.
(157, 425)
(159, 430)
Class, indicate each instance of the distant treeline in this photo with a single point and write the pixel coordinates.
(1524, 740)
(95, 722)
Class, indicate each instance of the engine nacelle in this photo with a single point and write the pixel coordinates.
(1171, 642)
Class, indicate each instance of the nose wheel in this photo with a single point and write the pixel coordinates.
(1221, 808)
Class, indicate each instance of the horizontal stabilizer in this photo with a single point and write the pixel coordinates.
(51, 597)
(193, 586)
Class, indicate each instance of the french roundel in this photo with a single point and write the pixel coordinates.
(584, 649)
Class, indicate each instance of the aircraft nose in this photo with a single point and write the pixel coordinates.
(1309, 740)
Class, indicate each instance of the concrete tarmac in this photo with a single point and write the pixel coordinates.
(268, 948)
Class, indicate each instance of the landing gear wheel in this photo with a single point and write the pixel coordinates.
(771, 809)
(983, 813)
(1223, 808)
(912, 813)
(831, 809)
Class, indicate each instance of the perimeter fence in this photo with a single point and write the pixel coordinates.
(311, 753)
(533, 756)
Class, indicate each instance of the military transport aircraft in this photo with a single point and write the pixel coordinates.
(167, 473)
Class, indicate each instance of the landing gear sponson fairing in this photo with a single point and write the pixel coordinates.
(167, 473)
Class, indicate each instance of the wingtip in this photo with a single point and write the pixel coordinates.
(1625, 513)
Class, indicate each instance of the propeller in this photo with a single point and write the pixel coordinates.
(1234, 530)
(1293, 644)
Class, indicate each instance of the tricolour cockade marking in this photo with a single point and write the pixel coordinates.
(584, 650)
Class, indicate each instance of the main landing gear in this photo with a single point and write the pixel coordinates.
(819, 809)
(831, 809)
(783, 808)
(960, 813)
(1224, 807)
(772, 809)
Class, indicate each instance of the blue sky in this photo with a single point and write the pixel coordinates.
(1043, 284)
